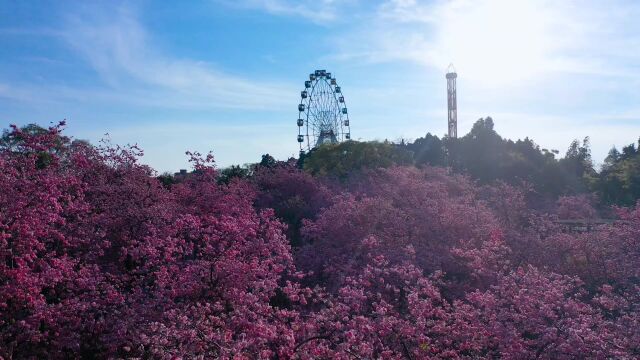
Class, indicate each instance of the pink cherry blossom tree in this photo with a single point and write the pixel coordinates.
(99, 260)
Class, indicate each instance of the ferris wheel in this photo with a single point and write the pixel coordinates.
(322, 112)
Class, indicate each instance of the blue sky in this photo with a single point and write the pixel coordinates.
(225, 75)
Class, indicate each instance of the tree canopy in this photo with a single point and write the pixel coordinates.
(367, 256)
(339, 160)
(619, 179)
(485, 156)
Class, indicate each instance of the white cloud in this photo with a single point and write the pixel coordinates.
(501, 40)
(134, 72)
(122, 49)
(544, 58)
(317, 11)
(572, 65)
(217, 111)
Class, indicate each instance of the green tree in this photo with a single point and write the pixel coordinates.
(339, 160)
(234, 171)
(485, 156)
(619, 179)
(268, 161)
(479, 153)
(428, 150)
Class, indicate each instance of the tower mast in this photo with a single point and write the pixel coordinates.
(452, 102)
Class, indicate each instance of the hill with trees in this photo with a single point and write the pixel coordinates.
(485, 156)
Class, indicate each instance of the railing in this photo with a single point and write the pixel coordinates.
(583, 225)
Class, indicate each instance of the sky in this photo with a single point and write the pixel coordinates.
(226, 75)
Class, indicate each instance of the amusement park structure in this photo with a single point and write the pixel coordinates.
(452, 102)
(322, 112)
(323, 116)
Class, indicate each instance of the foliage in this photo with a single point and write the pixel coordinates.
(234, 172)
(428, 150)
(484, 295)
(619, 179)
(575, 207)
(268, 161)
(16, 141)
(293, 194)
(100, 259)
(339, 160)
(246, 171)
(485, 156)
